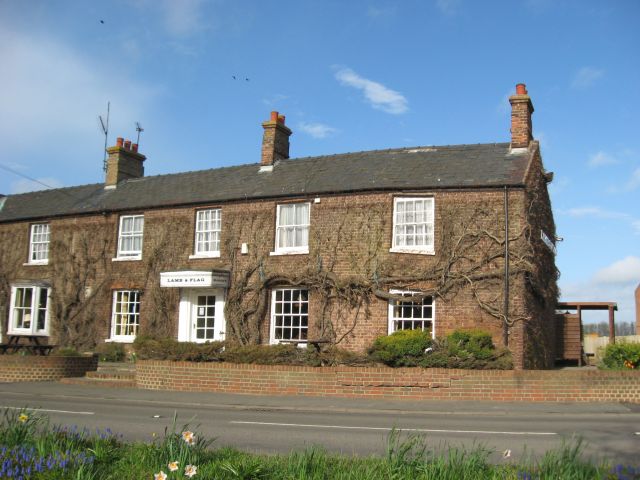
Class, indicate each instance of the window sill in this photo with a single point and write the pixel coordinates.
(127, 259)
(26, 333)
(297, 343)
(289, 252)
(202, 255)
(36, 263)
(120, 340)
(414, 251)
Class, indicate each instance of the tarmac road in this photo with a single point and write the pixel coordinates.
(271, 424)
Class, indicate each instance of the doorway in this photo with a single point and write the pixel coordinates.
(201, 315)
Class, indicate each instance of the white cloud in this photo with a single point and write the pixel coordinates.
(634, 181)
(586, 77)
(317, 130)
(504, 107)
(376, 94)
(55, 95)
(183, 17)
(274, 99)
(596, 212)
(559, 184)
(600, 213)
(543, 138)
(602, 159)
(623, 271)
(381, 12)
(448, 7)
(26, 185)
(613, 283)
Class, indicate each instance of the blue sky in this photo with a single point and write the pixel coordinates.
(349, 76)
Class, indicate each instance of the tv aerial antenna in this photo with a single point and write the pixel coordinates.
(105, 131)
(139, 129)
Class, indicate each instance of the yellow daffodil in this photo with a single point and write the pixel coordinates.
(190, 470)
(23, 418)
(173, 466)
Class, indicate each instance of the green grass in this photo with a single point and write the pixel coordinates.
(32, 448)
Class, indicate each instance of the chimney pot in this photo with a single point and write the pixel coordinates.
(134, 147)
(127, 144)
(521, 89)
(281, 119)
(274, 116)
(119, 141)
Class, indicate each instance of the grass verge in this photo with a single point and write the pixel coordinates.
(32, 448)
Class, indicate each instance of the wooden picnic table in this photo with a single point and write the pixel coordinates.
(32, 345)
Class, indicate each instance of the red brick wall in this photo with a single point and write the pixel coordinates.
(18, 368)
(401, 383)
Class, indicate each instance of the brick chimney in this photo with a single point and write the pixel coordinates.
(275, 141)
(521, 110)
(124, 162)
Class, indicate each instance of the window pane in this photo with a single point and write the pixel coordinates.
(292, 230)
(413, 226)
(290, 314)
(126, 312)
(412, 314)
(208, 231)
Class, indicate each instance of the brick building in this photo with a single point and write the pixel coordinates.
(340, 248)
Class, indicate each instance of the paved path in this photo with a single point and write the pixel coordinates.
(351, 426)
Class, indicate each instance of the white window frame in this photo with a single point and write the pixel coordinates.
(211, 234)
(122, 235)
(39, 240)
(33, 307)
(393, 318)
(275, 314)
(127, 316)
(298, 249)
(428, 224)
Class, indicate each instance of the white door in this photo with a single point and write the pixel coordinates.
(202, 319)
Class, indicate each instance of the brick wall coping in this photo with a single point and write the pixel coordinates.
(36, 368)
(400, 383)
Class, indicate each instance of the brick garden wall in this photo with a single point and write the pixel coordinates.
(401, 383)
(18, 368)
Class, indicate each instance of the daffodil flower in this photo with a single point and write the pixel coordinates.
(173, 466)
(160, 476)
(23, 418)
(188, 437)
(190, 470)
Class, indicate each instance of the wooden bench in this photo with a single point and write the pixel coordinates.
(33, 345)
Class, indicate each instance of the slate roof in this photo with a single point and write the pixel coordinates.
(418, 168)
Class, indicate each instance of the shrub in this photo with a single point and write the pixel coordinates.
(476, 342)
(111, 352)
(149, 348)
(464, 348)
(404, 348)
(621, 356)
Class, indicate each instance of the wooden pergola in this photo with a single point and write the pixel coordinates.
(579, 307)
